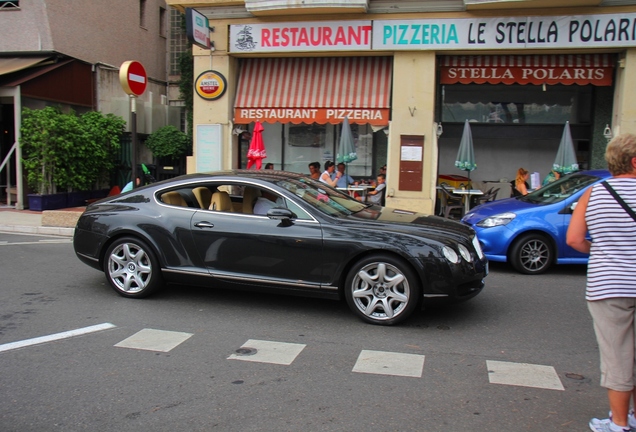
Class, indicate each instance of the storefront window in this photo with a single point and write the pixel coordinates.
(292, 147)
(523, 104)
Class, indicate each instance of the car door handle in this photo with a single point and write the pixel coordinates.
(204, 225)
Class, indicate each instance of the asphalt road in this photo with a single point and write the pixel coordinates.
(193, 359)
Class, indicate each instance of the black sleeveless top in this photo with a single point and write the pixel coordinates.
(515, 192)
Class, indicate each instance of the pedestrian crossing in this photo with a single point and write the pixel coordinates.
(368, 361)
(285, 353)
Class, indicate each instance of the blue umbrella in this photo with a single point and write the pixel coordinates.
(465, 160)
(346, 149)
(565, 161)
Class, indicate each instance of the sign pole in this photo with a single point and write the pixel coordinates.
(133, 79)
(133, 131)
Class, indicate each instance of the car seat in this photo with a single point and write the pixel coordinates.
(203, 196)
(174, 198)
(221, 201)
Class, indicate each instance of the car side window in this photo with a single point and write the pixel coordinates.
(300, 213)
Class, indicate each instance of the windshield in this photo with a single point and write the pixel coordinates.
(322, 197)
(560, 189)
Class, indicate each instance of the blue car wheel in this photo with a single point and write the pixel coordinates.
(531, 254)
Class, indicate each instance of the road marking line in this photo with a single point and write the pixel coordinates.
(36, 242)
(56, 336)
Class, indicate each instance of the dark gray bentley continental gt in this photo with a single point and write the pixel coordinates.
(283, 232)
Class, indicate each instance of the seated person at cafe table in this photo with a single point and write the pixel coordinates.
(314, 170)
(552, 176)
(375, 196)
(345, 179)
(325, 177)
(521, 185)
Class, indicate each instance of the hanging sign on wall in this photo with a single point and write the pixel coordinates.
(210, 85)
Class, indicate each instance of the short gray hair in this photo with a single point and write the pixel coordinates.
(619, 154)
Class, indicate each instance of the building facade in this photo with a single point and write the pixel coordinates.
(68, 54)
(408, 76)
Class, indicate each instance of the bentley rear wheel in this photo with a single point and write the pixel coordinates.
(132, 268)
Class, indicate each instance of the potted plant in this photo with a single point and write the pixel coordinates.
(168, 144)
(66, 153)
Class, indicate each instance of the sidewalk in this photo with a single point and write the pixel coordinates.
(50, 222)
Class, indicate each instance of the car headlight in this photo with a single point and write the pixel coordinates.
(465, 253)
(496, 220)
(450, 254)
(477, 246)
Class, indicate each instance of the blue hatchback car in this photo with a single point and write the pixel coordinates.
(529, 231)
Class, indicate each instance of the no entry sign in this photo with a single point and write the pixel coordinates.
(132, 77)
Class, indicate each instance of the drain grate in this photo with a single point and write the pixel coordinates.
(245, 351)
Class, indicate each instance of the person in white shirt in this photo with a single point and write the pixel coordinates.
(267, 201)
(325, 177)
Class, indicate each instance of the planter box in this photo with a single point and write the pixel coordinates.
(99, 194)
(47, 202)
(78, 199)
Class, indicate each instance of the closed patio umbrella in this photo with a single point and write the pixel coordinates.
(256, 152)
(565, 161)
(346, 149)
(465, 160)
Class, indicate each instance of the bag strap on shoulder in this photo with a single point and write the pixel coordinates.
(620, 200)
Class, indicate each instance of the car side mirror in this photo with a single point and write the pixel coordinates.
(573, 206)
(282, 214)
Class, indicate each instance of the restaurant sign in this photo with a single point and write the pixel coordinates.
(567, 69)
(582, 31)
(521, 32)
(373, 116)
(301, 36)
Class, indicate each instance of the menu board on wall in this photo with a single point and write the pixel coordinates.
(208, 148)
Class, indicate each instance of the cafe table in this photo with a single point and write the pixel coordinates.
(352, 189)
(468, 193)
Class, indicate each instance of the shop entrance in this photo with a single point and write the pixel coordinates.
(518, 123)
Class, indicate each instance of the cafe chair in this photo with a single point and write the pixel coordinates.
(450, 202)
(475, 200)
(489, 196)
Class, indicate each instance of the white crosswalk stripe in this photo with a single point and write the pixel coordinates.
(282, 353)
(523, 374)
(390, 363)
(154, 340)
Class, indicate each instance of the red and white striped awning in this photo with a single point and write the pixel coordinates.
(581, 69)
(314, 90)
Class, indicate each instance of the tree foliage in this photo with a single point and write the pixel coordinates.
(168, 142)
(66, 152)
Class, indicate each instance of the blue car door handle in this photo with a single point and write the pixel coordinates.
(204, 225)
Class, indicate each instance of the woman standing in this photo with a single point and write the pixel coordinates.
(325, 177)
(605, 210)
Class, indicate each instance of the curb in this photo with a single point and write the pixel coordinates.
(59, 231)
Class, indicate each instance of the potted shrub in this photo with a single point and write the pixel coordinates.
(168, 142)
(67, 153)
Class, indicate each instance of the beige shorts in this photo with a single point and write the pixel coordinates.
(614, 325)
